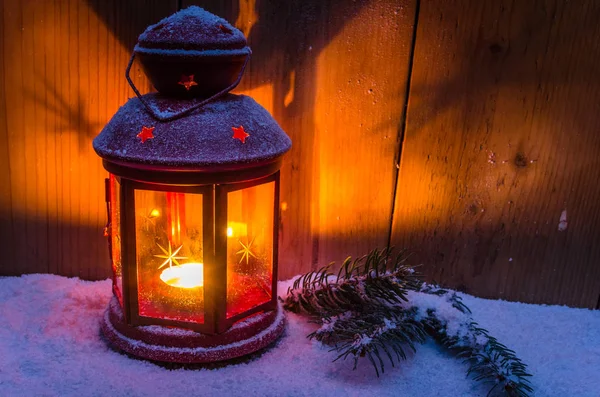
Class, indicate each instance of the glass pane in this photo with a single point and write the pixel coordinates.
(249, 247)
(115, 237)
(170, 255)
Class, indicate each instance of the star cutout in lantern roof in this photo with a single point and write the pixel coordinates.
(170, 256)
(146, 134)
(187, 81)
(225, 29)
(239, 133)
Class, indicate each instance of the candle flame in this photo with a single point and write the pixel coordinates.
(187, 275)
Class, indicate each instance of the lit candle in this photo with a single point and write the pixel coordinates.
(187, 275)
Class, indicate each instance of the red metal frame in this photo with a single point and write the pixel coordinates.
(221, 224)
(160, 345)
(192, 176)
(214, 237)
(130, 285)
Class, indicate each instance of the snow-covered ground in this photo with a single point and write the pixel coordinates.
(50, 346)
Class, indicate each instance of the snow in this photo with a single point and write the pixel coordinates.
(192, 28)
(202, 138)
(214, 349)
(51, 346)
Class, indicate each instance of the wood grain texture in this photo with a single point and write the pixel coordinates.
(6, 222)
(333, 73)
(62, 80)
(501, 138)
(501, 135)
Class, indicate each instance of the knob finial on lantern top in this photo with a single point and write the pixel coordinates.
(193, 58)
(192, 54)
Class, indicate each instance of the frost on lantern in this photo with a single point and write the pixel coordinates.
(193, 200)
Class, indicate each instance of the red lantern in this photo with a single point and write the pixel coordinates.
(193, 199)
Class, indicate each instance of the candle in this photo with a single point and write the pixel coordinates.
(187, 275)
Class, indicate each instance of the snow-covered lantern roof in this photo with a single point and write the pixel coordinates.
(193, 200)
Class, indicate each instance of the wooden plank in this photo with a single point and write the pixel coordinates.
(333, 74)
(62, 68)
(501, 138)
(15, 248)
(6, 221)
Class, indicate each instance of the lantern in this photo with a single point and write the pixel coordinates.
(193, 200)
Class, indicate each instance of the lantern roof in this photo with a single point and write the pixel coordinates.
(232, 130)
(192, 30)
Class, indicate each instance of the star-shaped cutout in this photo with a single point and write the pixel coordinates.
(224, 29)
(170, 256)
(187, 81)
(239, 133)
(146, 134)
(245, 251)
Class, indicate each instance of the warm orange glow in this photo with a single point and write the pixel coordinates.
(154, 213)
(289, 96)
(238, 229)
(263, 94)
(54, 178)
(247, 16)
(187, 275)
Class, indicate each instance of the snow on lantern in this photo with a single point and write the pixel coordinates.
(193, 200)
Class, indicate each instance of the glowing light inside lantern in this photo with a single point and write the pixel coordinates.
(237, 229)
(154, 213)
(187, 275)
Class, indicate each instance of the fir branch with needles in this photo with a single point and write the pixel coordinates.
(375, 279)
(364, 311)
(375, 334)
(489, 360)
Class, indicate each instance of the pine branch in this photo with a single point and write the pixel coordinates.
(364, 312)
(377, 279)
(376, 335)
(489, 360)
(360, 308)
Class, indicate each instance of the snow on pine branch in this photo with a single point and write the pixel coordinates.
(376, 307)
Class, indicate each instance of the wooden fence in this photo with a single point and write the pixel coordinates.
(461, 129)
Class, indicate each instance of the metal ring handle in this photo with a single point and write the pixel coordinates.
(186, 111)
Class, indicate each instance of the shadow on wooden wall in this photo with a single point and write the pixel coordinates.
(500, 136)
(62, 79)
(501, 140)
(64, 63)
(317, 66)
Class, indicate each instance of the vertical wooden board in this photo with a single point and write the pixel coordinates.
(501, 139)
(63, 64)
(360, 94)
(12, 78)
(6, 223)
(333, 74)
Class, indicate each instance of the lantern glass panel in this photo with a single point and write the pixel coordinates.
(115, 236)
(169, 255)
(250, 215)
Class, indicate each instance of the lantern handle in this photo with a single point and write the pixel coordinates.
(185, 111)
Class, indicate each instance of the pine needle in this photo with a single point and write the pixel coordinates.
(364, 312)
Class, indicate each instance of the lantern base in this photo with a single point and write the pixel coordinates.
(176, 345)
